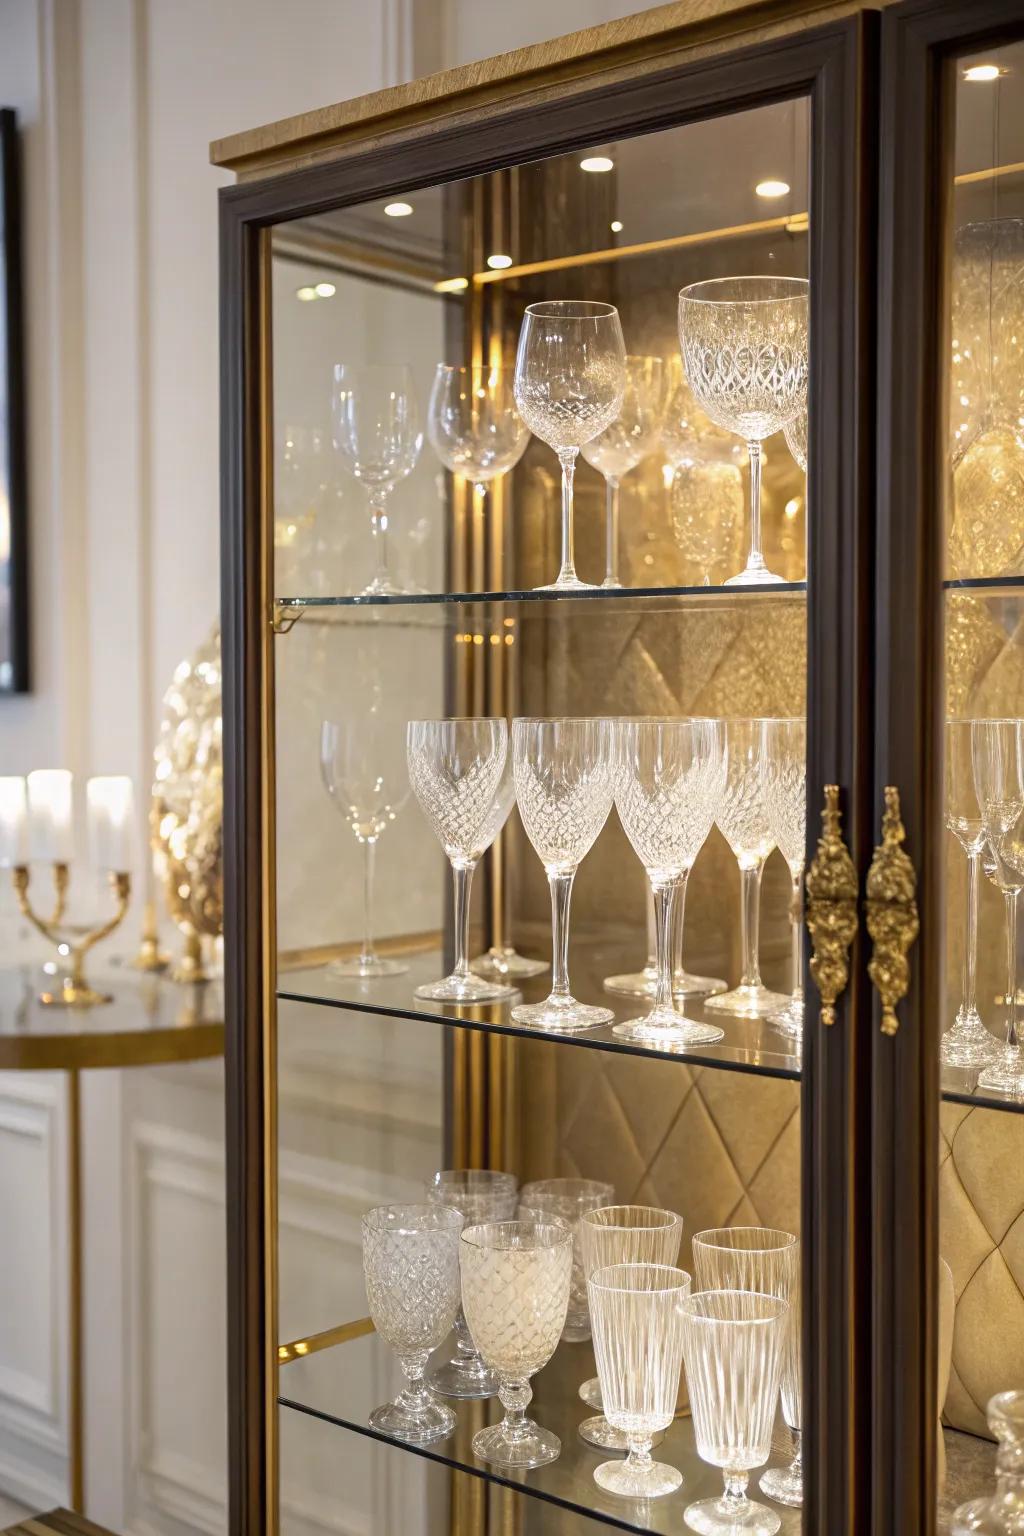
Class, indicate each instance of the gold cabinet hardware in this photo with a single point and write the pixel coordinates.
(831, 907)
(284, 617)
(891, 912)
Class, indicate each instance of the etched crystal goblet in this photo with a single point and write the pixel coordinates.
(784, 765)
(567, 1200)
(967, 1043)
(744, 346)
(479, 1195)
(515, 1292)
(565, 781)
(733, 1343)
(997, 754)
(411, 1268)
(461, 776)
(625, 444)
(638, 1344)
(378, 437)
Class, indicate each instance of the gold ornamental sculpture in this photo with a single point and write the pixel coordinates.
(186, 816)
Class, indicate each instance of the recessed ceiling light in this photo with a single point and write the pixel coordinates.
(982, 72)
(305, 294)
(772, 188)
(398, 210)
(499, 261)
(616, 226)
(597, 163)
(325, 290)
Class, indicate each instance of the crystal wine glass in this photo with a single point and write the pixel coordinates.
(743, 817)
(358, 763)
(767, 1261)
(625, 444)
(967, 1043)
(474, 425)
(733, 1345)
(1003, 1514)
(638, 1344)
(567, 1200)
(460, 774)
(795, 433)
(667, 788)
(997, 751)
(411, 1267)
(645, 983)
(622, 1234)
(744, 345)
(706, 500)
(569, 383)
(565, 782)
(515, 1291)
(784, 764)
(377, 434)
(478, 1194)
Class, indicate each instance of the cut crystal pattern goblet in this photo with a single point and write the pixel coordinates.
(743, 817)
(378, 438)
(568, 1200)
(784, 765)
(638, 1344)
(515, 1291)
(667, 786)
(569, 383)
(411, 1268)
(744, 346)
(622, 1234)
(625, 444)
(565, 781)
(997, 751)
(733, 1343)
(479, 1195)
(766, 1261)
(461, 776)
(967, 1043)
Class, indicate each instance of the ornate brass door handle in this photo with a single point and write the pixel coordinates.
(891, 912)
(831, 907)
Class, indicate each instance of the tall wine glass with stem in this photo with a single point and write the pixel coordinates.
(359, 768)
(784, 764)
(744, 345)
(474, 424)
(461, 776)
(967, 1043)
(569, 383)
(997, 748)
(667, 787)
(625, 444)
(478, 1194)
(565, 782)
(743, 817)
(378, 437)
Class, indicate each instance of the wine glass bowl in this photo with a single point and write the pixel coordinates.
(378, 439)
(473, 423)
(625, 444)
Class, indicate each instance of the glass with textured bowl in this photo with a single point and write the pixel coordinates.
(479, 1195)
(568, 1199)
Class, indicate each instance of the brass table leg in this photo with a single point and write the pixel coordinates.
(76, 1426)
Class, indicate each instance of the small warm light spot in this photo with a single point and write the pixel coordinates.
(772, 188)
(478, 639)
(668, 474)
(499, 261)
(509, 623)
(398, 210)
(792, 506)
(980, 73)
(616, 226)
(306, 294)
(325, 290)
(597, 163)
(451, 285)
(495, 639)
(302, 1348)
(510, 639)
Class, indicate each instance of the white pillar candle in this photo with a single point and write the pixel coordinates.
(13, 822)
(111, 806)
(49, 816)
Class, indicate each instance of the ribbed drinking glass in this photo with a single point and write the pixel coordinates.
(378, 438)
(479, 1195)
(461, 775)
(568, 1200)
(515, 1292)
(638, 1344)
(784, 764)
(733, 1344)
(997, 752)
(625, 444)
(967, 1043)
(411, 1268)
(565, 782)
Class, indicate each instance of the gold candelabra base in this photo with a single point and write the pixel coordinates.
(189, 969)
(150, 957)
(73, 941)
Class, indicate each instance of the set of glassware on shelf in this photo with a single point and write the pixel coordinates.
(514, 1271)
(744, 350)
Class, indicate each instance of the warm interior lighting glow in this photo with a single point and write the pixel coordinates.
(398, 210)
(982, 72)
(616, 226)
(451, 285)
(305, 294)
(498, 262)
(772, 188)
(597, 163)
(325, 290)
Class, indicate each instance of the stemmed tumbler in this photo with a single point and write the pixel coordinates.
(743, 817)
(515, 1291)
(967, 1043)
(474, 424)
(625, 444)
(744, 346)
(638, 1343)
(460, 774)
(411, 1268)
(565, 781)
(569, 382)
(667, 787)
(378, 436)
(567, 1200)
(784, 764)
(733, 1344)
(479, 1195)
(998, 758)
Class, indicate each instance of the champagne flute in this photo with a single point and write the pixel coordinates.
(377, 434)
(625, 444)
(967, 1043)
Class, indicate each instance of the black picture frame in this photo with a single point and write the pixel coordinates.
(14, 621)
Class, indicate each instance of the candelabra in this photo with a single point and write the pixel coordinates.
(73, 940)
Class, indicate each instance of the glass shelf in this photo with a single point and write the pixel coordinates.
(621, 600)
(991, 584)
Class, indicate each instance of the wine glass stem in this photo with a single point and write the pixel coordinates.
(463, 879)
(379, 525)
(970, 1003)
(369, 860)
(567, 459)
(652, 933)
(755, 560)
(796, 930)
(678, 919)
(516, 1397)
(1011, 968)
(639, 1458)
(736, 1488)
(561, 894)
(666, 893)
(750, 922)
(611, 533)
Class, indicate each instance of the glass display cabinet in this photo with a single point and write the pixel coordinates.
(623, 509)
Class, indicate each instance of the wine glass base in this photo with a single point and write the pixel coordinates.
(367, 966)
(685, 984)
(784, 1485)
(644, 984)
(755, 576)
(968, 1043)
(463, 1379)
(502, 962)
(568, 584)
(1005, 1075)
(533, 1447)
(388, 586)
(670, 1029)
(731, 1517)
(598, 1432)
(435, 1422)
(650, 1482)
(612, 584)
(561, 1015)
(748, 1002)
(465, 989)
(790, 1019)
(590, 1393)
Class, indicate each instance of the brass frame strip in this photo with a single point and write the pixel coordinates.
(298, 1349)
